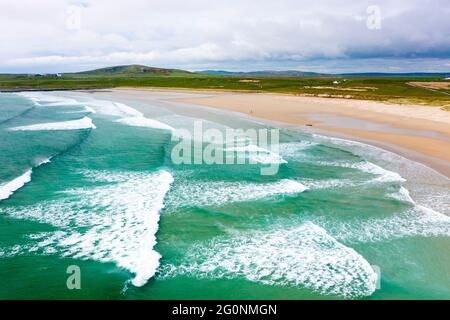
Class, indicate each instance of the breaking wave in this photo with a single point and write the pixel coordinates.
(116, 222)
(84, 123)
(145, 122)
(218, 193)
(7, 189)
(256, 154)
(43, 99)
(305, 256)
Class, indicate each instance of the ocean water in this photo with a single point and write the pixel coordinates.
(88, 180)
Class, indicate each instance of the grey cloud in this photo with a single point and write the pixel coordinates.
(245, 34)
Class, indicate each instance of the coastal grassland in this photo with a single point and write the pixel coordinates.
(391, 89)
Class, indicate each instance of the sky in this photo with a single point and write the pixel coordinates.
(332, 36)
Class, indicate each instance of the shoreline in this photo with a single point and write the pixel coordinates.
(418, 133)
(421, 134)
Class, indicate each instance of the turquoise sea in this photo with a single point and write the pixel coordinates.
(88, 180)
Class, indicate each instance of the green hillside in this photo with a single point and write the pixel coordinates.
(134, 70)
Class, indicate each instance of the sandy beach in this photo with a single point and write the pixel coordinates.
(420, 133)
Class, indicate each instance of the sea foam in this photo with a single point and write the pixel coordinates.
(295, 150)
(216, 193)
(383, 174)
(303, 256)
(256, 154)
(418, 221)
(115, 222)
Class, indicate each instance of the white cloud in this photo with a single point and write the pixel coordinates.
(40, 35)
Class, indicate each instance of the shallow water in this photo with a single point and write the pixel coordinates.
(87, 180)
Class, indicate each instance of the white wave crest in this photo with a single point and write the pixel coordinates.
(113, 108)
(383, 174)
(145, 122)
(127, 110)
(296, 149)
(85, 109)
(8, 188)
(44, 99)
(89, 109)
(417, 221)
(127, 115)
(256, 154)
(84, 123)
(222, 192)
(327, 184)
(403, 195)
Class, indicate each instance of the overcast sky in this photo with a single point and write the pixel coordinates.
(310, 35)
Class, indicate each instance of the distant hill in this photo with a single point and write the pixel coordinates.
(406, 75)
(142, 71)
(134, 70)
(265, 73)
(296, 73)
